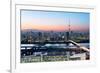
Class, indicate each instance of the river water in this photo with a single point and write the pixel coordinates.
(87, 45)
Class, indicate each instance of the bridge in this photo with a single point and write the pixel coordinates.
(79, 46)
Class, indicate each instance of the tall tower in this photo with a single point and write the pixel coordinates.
(69, 25)
(68, 32)
(69, 29)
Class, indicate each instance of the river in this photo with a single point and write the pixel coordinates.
(87, 45)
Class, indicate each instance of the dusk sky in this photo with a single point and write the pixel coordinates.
(54, 21)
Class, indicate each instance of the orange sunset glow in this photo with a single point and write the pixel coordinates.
(52, 28)
(44, 28)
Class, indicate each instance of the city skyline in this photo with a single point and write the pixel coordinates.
(54, 21)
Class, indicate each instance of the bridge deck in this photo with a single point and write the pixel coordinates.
(78, 45)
